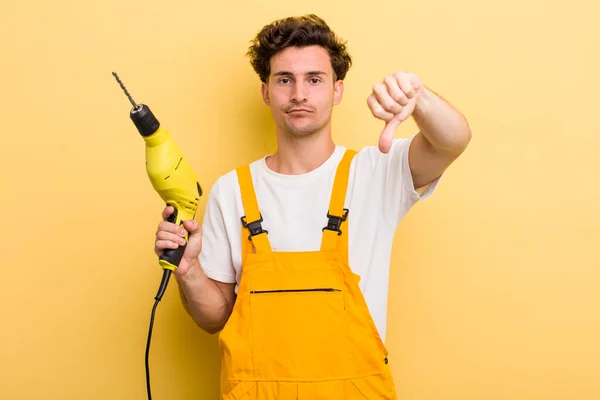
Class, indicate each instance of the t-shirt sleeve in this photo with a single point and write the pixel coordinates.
(399, 194)
(215, 257)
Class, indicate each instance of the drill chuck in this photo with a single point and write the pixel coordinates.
(144, 120)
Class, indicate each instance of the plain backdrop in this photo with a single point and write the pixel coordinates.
(495, 282)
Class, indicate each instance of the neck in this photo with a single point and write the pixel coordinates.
(299, 155)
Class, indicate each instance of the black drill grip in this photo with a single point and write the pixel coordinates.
(173, 256)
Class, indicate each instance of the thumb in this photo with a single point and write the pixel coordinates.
(195, 233)
(385, 140)
(192, 226)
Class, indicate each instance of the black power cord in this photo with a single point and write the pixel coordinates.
(158, 297)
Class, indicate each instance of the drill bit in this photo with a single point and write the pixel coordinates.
(135, 106)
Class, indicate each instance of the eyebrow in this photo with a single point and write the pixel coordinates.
(287, 73)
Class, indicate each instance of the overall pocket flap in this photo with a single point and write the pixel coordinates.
(244, 390)
(376, 387)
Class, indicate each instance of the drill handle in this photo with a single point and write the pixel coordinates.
(171, 258)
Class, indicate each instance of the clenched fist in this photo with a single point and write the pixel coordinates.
(170, 236)
(393, 101)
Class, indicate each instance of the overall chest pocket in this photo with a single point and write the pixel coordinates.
(298, 325)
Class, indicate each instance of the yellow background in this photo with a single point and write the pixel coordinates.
(495, 287)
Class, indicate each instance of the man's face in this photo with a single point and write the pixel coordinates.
(301, 90)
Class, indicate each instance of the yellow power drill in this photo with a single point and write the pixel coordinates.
(173, 179)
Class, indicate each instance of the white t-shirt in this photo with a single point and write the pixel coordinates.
(294, 209)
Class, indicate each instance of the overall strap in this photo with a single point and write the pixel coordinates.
(252, 231)
(335, 234)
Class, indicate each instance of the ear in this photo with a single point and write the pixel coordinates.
(265, 93)
(338, 91)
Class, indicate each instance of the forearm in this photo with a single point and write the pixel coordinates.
(203, 300)
(442, 125)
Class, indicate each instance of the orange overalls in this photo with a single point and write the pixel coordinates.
(300, 327)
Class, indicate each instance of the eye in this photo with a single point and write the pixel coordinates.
(315, 80)
(284, 80)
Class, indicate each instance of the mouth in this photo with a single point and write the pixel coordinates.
(299, 111)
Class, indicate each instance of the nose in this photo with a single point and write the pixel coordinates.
(299, 92)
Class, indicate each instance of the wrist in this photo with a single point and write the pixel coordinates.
(426, 98)
(188, 274)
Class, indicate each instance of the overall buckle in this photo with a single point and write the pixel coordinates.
(334, 222)
(254, 227)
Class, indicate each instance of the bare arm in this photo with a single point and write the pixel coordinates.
(444, 135)
(207, 301)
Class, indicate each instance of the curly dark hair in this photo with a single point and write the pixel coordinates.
(306, 30)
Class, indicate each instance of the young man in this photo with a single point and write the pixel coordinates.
(291, 263)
